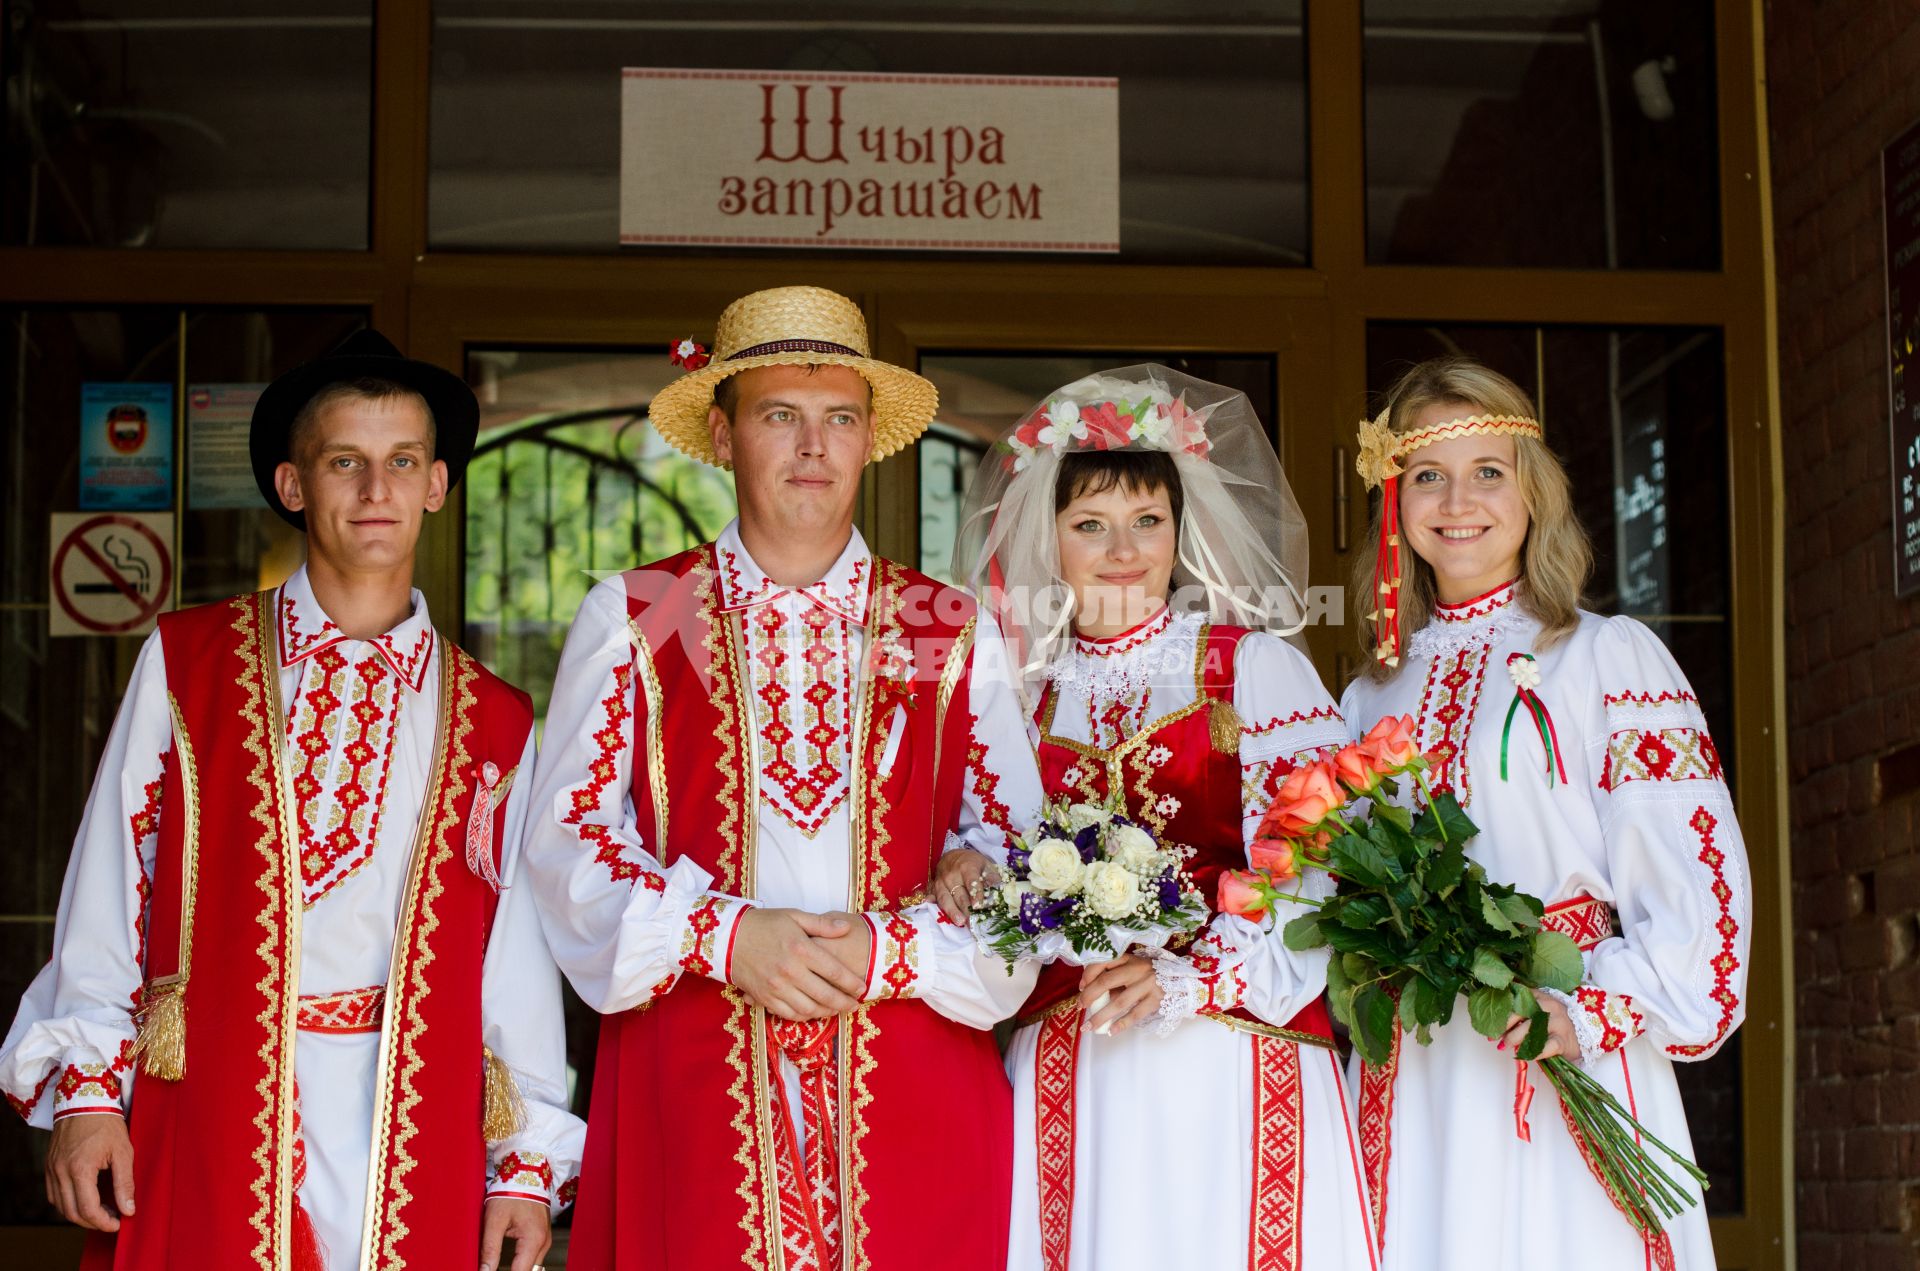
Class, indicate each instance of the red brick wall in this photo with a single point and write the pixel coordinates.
(1844, 78)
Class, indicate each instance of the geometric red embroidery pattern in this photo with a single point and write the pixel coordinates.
(1612, 1014)
(1216, 992)
(348, 791)
(1725, 963)
(1278, 1155)
(1447, 707)
(985, 781)
(1331, 713)
(1056, 1065)
(347, 1012)
(95, 1083)
(525, 1173)
(1127, 641)
(804, 788)
(411, 665)
(1376, 1131)
(900, 954)
(295, 643)
(1582, 919)
(1481, 606)
(1665, 754)
(697, 945)
(611, 738)
(809, 1046)
(26, 1106)
(145, 825)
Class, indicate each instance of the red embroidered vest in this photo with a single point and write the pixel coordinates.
(1173, 780)
(213, 1147)
(679, 1169)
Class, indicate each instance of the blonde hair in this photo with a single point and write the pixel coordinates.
(1555, 559)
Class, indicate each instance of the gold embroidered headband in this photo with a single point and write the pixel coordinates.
(1381, 450)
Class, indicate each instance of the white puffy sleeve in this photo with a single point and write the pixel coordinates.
(71, 1043)
(1678, 969)
(521, 1021)
(917, 953)
(1286, 718)
(623, 926)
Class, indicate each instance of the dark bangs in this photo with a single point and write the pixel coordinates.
(1134, 471)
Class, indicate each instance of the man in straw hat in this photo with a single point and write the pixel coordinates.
(756, 752)
(295, 1012)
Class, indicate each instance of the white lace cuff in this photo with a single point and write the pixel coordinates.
(1586, 1029)
(1179, 995)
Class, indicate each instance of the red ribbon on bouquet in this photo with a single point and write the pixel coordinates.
(1522, 1101)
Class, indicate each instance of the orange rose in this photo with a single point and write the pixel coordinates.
(1308, 796)
(1390, 744)
(1274, 856)
(1357, 770)
(1283, 819)
(1239, 895)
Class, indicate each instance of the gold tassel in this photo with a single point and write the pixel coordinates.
(503, 1111)
(160, 1039)
(1223, 727)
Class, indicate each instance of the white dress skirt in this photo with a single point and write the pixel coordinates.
(1193, 1141)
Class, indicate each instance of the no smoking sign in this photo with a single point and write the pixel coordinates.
(112, 572)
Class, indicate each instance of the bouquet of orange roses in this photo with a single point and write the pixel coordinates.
(1414, 926)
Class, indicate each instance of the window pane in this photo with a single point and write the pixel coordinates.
(153, 123)
(526, 104)
(1638, 416)
(1573, 134)
(58, 697)
(982, 395)
(567, 485)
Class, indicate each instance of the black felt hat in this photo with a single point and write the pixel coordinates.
(366, 354)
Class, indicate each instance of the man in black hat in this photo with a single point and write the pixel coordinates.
(295, 1006)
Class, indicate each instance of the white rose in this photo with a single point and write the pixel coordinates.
(1010, 894)
(1132, 847)
(1055, 868)
(1112, 890)
(1081, 815)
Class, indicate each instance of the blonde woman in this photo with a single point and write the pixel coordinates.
(1577, 746)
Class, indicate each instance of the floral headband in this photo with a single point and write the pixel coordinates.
(1381, 450)
(1111, 417)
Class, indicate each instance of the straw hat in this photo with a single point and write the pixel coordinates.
(793, 326)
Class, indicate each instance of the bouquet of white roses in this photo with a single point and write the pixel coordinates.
(1087, 885)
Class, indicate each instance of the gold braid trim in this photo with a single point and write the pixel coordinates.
(1253, 1027)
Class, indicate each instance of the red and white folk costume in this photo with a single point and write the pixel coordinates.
(717, 741)
(1628, 834)
(281, 872)
(1221, 1141)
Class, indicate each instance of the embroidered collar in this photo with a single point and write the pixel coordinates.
(1494, 622)
(743, 584)
(305, 629)
(1481, 606)
(1158, 652)
(1127, 641)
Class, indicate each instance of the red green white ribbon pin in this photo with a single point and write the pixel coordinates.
(1525, 674)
